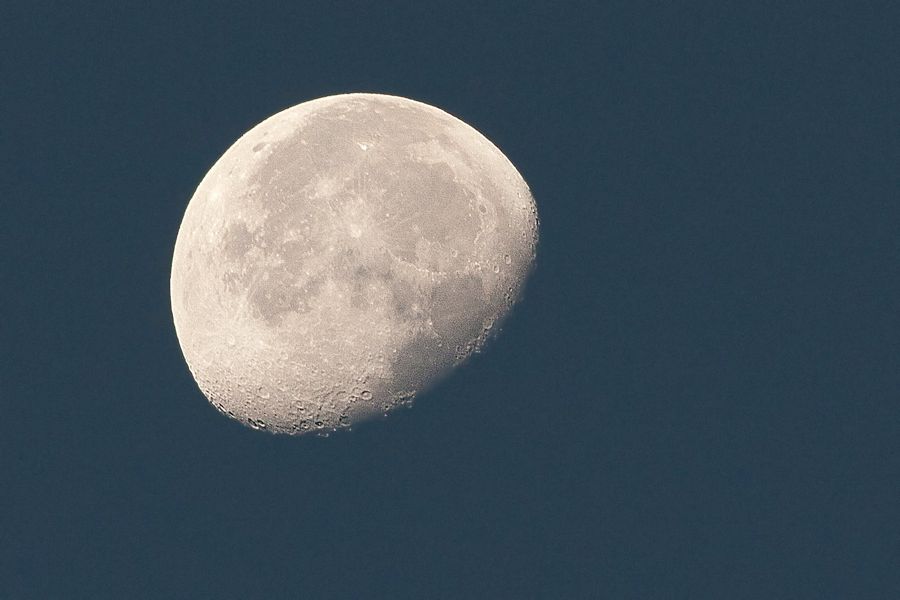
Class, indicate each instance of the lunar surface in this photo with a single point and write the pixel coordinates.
(343, 256)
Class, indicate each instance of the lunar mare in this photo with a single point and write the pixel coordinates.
(344, 255)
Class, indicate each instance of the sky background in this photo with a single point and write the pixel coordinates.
(697, 397)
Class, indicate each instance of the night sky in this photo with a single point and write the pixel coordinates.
(698, 397)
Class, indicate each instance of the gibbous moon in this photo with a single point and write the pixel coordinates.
(344, 255)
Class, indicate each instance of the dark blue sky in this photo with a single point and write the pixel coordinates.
(698, 397)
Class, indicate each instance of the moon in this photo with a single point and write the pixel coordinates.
(343, 256)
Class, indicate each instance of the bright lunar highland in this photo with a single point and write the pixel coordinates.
(344, 255)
